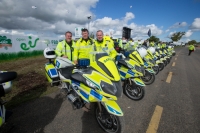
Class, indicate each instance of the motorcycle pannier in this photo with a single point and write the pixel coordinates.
(51, 74)
(62, 62)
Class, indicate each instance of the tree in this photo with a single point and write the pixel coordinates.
(192, 42)
(177, 36)
(92, 35)
(153, 38)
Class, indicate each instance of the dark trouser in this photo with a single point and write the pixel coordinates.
(190, 51)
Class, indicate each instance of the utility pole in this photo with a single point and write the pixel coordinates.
(89, 17)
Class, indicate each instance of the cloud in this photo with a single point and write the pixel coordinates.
(167, 30)
(54, 19)
(22, 17)
(4, 32)
(188, 33)
(184, 40)
(171, 33)
(108, 24)
(178, 25)
(196, 24)
(129, 16)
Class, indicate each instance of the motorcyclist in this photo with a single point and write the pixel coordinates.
(83, 47)
(163, 45)
(152, 44)
(108, 38)
(122, 42)
(65, 48)
(159, 44)
(101, 44)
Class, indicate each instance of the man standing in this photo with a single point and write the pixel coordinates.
(145, 43)
(163, 45)
(65, 48)
(102, 44)
(159, 44)
(152, 43)
(191, 49)
(83, 47)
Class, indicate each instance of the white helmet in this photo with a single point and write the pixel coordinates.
(142, 51)
(152, 49)
(169, 46)
(132, 43)
(157, 47)
(124, 41)
(49, 53)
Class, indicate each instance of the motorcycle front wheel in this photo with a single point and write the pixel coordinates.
(156, 69)
(165, 62)
(109, 122)
(168, 60)
(148, 78)
(134, 92)
(161, 66)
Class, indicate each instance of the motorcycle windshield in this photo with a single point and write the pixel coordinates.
(105, 65)
(150, 54)
(135, 55)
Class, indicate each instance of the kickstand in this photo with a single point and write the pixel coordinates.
(85, 108)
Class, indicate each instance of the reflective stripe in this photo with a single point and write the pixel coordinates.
(67, 50)
(97, 52)
(84, 46)
(111, 49)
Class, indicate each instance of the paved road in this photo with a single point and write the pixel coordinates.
(179, 99)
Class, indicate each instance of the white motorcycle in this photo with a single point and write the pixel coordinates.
(5, 87)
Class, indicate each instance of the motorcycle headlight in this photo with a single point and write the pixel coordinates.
(90, 84)
(129, 65)
(108, 88)
(138, 68)
(152, 61)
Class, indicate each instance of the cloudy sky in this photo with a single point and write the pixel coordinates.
(53, 18)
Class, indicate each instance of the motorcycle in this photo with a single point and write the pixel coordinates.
(149, 58)
(133, 53)
(138, 55)
(83, 84)
(159, 61)
(162, 56)
(5, 87)
(130, 73)
(167, 55)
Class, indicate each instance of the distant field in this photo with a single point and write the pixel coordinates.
(31, 82)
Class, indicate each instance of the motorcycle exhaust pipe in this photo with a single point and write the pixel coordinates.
(71, 98)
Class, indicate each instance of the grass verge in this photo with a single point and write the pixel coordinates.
(12, 56)
(31, 82)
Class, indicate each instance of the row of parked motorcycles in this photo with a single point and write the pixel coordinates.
(101, 80)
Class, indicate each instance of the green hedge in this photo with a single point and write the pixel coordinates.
(10, 56)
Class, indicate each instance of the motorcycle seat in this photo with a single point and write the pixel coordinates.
(7, 76)
(122, 62)
(78, 76)
(67, 71)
